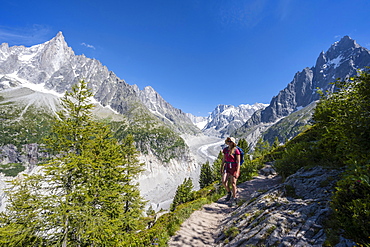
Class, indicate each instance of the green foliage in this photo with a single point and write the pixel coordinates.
(22, 125)
(344, 119)
(249, 169)
(11, 169)
(150, 211)
(217, 166)
(262, 148)
(86, 195)
(276, 143)
(243, 144)
(231, 232)
(295, 156)
(351, 203)
(206, 176)
(183, 193)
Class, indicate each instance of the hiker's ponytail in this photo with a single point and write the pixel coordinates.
(232, 151)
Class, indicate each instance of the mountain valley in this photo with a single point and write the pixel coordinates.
(172, 144)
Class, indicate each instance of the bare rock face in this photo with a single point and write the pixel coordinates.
(29, 155)
(290, 214)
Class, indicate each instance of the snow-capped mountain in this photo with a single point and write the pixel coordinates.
(53, 66)
(225, 119)
(32, 79)
(342, 60)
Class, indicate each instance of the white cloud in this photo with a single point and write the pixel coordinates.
(88, 45)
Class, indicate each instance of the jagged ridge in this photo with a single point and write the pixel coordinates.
(342, 60)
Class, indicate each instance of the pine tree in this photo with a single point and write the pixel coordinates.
(85, 195)
(206, 177)
(216, 168)
(262, 147)
(183, 193)
(276, 143)
(243, 144)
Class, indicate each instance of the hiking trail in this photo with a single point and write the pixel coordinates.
(202, 227)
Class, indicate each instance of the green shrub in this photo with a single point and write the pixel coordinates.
(351, 203)
(249, 169)
(296, 156)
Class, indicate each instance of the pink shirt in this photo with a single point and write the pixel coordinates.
(230, 158)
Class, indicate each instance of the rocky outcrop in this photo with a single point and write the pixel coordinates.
(29, 155)
(290, 214)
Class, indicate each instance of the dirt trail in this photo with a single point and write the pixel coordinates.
(201, 228)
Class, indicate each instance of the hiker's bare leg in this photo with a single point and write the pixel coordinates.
(233, 184)
(225, 181)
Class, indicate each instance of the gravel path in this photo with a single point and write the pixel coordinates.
(201, 228)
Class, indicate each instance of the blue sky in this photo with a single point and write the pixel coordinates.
(195, 53)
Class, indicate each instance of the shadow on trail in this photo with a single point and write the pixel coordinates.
(202, 227)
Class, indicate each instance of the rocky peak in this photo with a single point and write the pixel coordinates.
(341, 60)
(345, 43)
(54, 54)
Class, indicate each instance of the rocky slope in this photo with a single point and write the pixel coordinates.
(290, 214)
(341, 60)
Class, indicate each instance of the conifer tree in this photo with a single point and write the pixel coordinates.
(243, 144)
(262, 147)
(276, 143)
(216, 168)
(183, 193)
(85, 195)
(206, 177)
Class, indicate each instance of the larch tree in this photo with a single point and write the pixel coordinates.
(85, 195)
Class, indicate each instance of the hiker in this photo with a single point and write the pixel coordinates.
(230, 168)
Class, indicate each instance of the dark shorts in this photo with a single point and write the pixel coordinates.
(231, 169)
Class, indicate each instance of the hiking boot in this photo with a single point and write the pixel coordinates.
(234, 202)
(228, 196)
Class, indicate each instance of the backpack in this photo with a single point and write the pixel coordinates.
(241, 155)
